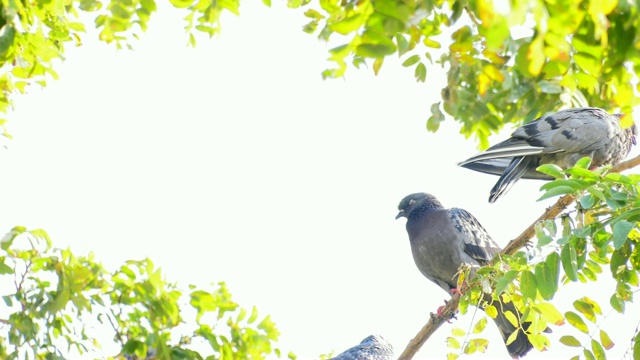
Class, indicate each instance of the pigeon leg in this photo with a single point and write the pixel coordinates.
(439, 312)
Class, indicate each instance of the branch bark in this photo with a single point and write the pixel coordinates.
(514, 245)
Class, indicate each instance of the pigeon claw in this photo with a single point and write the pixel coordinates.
(440, 313)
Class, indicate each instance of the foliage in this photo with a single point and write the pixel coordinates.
(599, 236)
(56, 296)
(503, 64)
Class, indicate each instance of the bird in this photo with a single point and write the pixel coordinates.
(373, 347)
(560, 138)
(444, 239)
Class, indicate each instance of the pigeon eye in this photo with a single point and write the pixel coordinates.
(411, 202)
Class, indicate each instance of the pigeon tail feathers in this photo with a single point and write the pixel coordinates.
(512, 173)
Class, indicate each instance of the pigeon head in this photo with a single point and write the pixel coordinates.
(417, 200)
(374, 339)
(631, 132)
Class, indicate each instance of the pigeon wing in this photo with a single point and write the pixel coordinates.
(477, 242)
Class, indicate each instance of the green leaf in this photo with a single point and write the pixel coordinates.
(621, 230)
(403, 44)
(586, 309)
(546, 281)
(348, 25)
(576, 321)
(181, 4)
(411, 60)
(569, 261)
(582, 173)
(505, 281)
(528, 285)
(543, 238)
(551, 170)
(587, 201)
(375, 50)
(436, 118)
(254, 315)
(421, 72)
(594, 305)
(5, 269)
(550, 87)
(575, 184)
(583, 163)
(570, 341)
(598, 351)
(557, 191)
(458, 332)
(588, 354)
(616, 303)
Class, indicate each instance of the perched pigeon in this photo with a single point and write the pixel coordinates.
(373, 347)
(560, 138)
(442, 240)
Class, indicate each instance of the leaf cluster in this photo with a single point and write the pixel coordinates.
(56, 297)
(504, 65)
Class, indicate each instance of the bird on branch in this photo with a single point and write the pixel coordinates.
(442, 240)
(560, 138)
(373, 347)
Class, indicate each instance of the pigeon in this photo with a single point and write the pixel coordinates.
(444, 239)
(373, 347)
(560, 138)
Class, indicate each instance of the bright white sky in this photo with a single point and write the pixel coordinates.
(236, 162)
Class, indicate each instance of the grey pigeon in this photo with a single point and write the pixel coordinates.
(373, 347)
(560, 138)
(444, 239)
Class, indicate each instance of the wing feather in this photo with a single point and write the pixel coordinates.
(477, 241)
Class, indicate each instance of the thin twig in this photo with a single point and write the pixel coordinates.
(472, 16)
(514, 245)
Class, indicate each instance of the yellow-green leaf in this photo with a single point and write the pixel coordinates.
(570, 340)
(512, 318)
(480, 325)
(576, 321)
(606, 340)
(549, 313)
(539, 341)
(598, 351)
(458, 332)
(453, 343)
(586, 309)
(512, 337)
(491, 311)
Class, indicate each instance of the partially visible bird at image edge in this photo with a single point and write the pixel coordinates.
(373, 347)
(560, 138)
(444, 239)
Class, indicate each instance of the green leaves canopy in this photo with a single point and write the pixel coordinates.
(503, 65)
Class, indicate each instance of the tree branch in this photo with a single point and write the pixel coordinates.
(514, 245)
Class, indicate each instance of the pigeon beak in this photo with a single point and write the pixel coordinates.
(400, 214)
